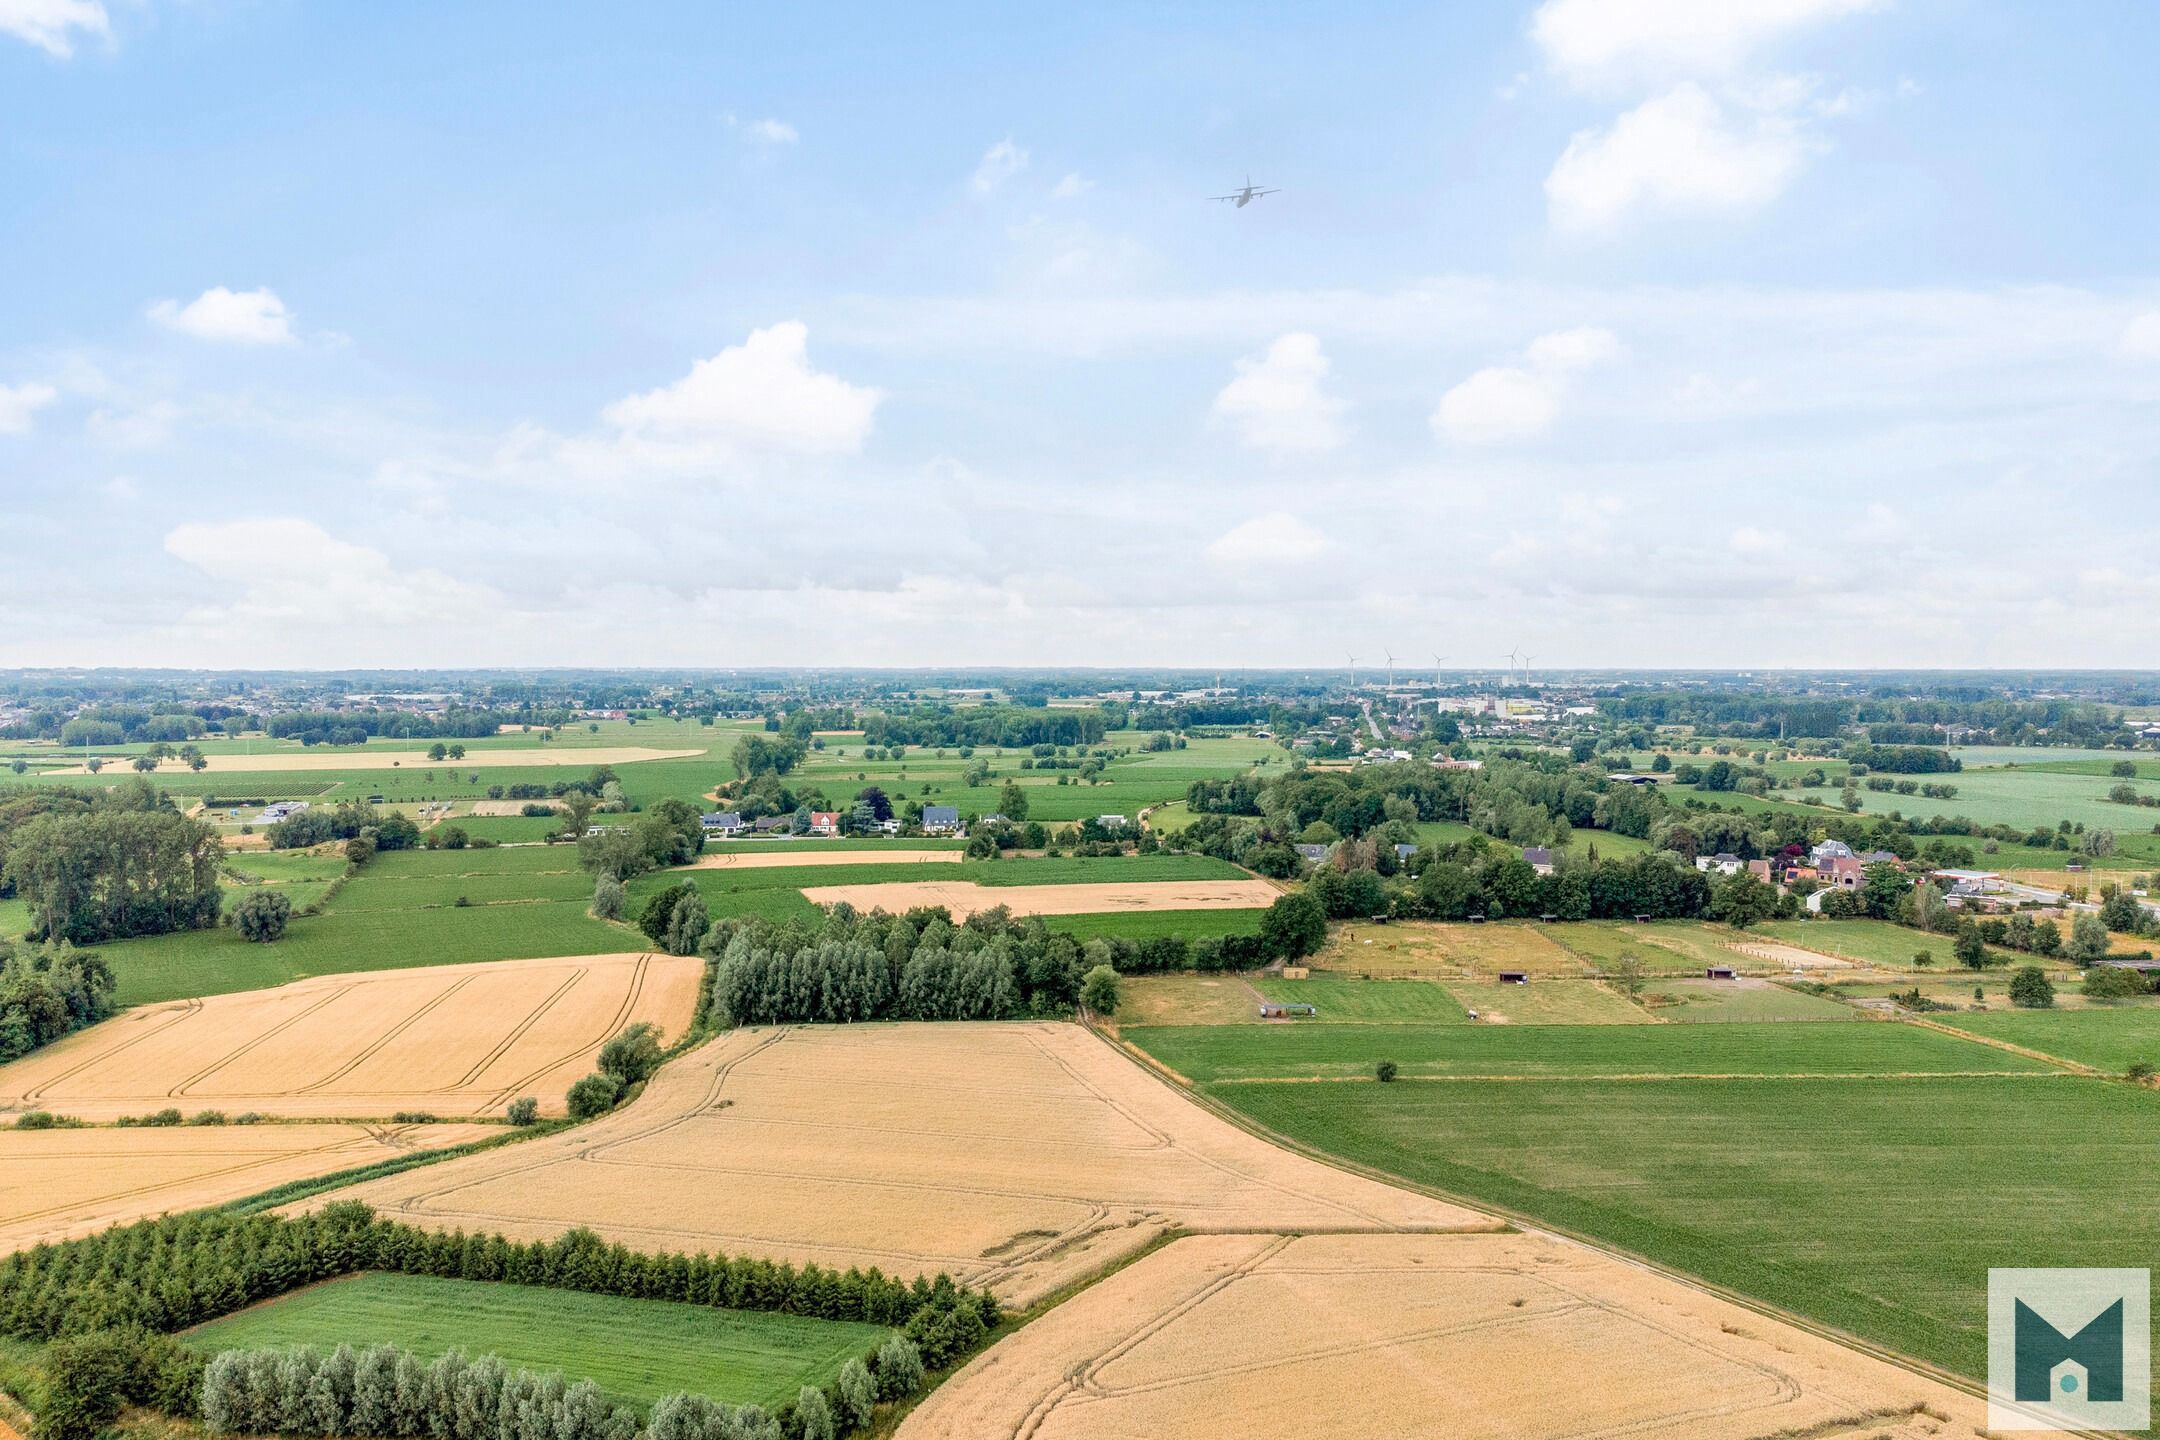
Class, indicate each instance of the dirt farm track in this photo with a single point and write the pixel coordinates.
(458, 1040)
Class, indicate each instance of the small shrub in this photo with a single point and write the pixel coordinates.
(250, 1117)
(633, 1055)
(1385, 1072)
(524, 1111)
(2140, 1072)
(207, 1117)
(413, 1117)
(596, 1094)
(608, 899)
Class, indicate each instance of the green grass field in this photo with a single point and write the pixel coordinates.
(635, 1350)
(1694, 1000)
(1877, 942)
(1876, 1205)
(1342, 999)
(2111, 1038)
(1220, 1053)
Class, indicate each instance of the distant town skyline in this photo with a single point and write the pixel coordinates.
(1635, 334)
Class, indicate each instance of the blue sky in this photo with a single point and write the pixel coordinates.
(1801, 332)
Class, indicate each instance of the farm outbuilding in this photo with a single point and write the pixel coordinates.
(1514, 977)
(1721, 972)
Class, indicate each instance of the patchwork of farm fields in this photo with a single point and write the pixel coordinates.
(1020, 1156)
(56, 1184)
(449, 1040)
(634, 1350)
(1424, 1337)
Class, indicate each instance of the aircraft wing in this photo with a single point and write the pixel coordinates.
(1222, 197)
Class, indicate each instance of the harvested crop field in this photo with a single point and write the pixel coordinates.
(57, 1184)
(1420, 1336)
(570, 757)
(1021, 1156)
(448, 1040)
(963, 898)
(797, 859)
(1443, 949)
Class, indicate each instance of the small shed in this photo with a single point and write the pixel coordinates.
(1477, 919)
(1642, 919)
(1721, 972)
(1379, 919)
(1549, 919)
(1514, 977)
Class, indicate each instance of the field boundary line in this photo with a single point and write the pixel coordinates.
(2076, 1067)
(1530, 1224)
(1650, 1075)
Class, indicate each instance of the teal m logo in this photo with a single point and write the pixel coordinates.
(2097, 1350)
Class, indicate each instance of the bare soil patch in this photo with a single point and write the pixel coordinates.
(577, 759)
(57, 1184)
(1022, 1156)
(964, 898)
(460, 1040)
(793, 859)
(1422, 1337)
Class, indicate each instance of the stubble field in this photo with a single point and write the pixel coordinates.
(1020, 1156)
(1420, 1337)
(964, 898)
(449, 1040)
(57, 1184)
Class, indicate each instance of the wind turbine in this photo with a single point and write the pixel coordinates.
(1511, 658)
(1436, 670)
(1353, 670)
(1390, 668)
(1526, 668)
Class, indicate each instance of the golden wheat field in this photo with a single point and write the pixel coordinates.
(459, 1040)
(1420, 1337)
(964, 898)
(1020, 1156)
(288, 760)
(56, 1184)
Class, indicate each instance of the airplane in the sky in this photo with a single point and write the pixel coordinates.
(1246, 196)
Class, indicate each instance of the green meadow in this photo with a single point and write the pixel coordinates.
(635, 1350)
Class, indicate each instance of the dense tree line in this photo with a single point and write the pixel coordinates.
(353, 727)
(47, 992)
(1904, 759)
(319, 825)
(128, 864)
(167, 1274)
(1007, 726)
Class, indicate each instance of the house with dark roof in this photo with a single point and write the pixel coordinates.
(1540, 858)
(721, 822)
(940, 819)
(1317, 854)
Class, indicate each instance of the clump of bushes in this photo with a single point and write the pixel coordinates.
(262, 916)
(89, 1376)
(626, 1062)
(2030, 989)
(524, 1110)
(155, 1120)
(1385, 1072)
(46, 1120)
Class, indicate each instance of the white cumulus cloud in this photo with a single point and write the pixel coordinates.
(760, 395)
(1501, 404)
(2141, 337)
(1277, 538)
(1071, 187)
(1678, 152)
(999, 163)
(245, 317)
(282, 572)
(19, 403)
(1593, 43)
(51, 24)
(773, 132)
(1278, 401)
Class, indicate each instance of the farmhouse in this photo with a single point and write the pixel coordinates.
(1449, 762)
(825, 822)
(1830, 850)
(1844, 871)
(282, 809)
(721, 822)
(1404, 852)
(1540, 858)
(1724, 862)
(940, 819)
(1317, 854)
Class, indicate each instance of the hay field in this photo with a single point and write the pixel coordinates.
(1420, 1337)
(452, 1040)
(475, 759)
(1443, 949)
(796, 859)
(58, 1184)
(964, 898)
(1021, 1156)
